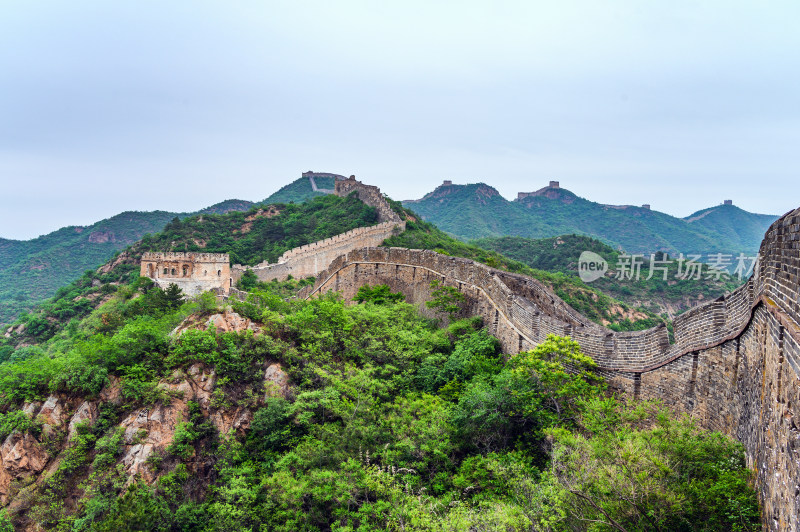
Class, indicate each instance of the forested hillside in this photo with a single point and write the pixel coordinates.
(32, 270)
(129, 407)
(668, 296)
(316, 415)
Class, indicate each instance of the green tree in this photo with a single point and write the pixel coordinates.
(446, 299)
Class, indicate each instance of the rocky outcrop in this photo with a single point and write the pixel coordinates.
(221, 322)
(276, 381)
(21, 456)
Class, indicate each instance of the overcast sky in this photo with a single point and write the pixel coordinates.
(144, 105)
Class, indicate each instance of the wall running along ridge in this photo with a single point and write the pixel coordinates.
(309, 260)
(734, 365)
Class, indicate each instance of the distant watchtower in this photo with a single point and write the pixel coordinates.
(728, 202)
(554, 184)
(447, 183)
(646, 206)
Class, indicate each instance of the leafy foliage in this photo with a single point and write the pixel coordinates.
(379, 295)
(660, 295)
(263, 235)
(392, 423)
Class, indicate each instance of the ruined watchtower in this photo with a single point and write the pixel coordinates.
(194, 273)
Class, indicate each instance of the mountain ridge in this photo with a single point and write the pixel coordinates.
(479, 211)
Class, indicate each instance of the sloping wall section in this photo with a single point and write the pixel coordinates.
(309, 260)
(734, 364)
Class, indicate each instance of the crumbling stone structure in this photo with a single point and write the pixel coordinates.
(194, 273)
(734, 365)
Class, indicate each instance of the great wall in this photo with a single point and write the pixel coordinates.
(184, 269)
(734, 364)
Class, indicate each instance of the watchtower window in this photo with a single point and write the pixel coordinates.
(185, 271)
(173, 271)
(219, 273)
(166, 271)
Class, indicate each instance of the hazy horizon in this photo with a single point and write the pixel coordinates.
(108, 107)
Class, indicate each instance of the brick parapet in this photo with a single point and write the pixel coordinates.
(187, 256)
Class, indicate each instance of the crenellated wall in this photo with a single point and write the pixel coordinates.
(734, 364)
(309, 260)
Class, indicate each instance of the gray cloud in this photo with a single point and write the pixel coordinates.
(107, 107)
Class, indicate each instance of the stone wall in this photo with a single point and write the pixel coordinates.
(194, 273)
(370, 195)
(311, 259)
(734, 364)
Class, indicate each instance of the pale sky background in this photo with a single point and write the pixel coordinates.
(108, 106)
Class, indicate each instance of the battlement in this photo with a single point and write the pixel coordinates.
(312, 173)
(185, 256)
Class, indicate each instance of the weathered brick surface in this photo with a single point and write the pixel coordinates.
(192, 272)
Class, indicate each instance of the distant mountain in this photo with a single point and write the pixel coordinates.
(479, 211)
(32, 270)
(664, 297)
(735, 224)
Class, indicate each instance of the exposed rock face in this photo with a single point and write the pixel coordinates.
(226, 321)
(102, 237)
(230, 321)
(276, 381)
(86, 413)
(21, 456)
(123, 258)
(152, 429)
